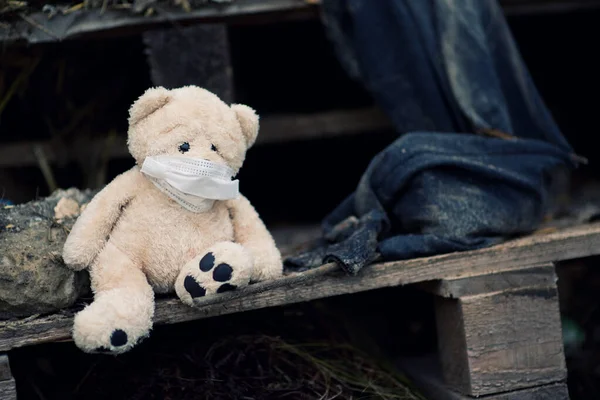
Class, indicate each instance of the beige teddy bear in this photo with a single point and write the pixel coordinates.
(173, 221)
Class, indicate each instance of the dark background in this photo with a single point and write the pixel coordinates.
(297, 73)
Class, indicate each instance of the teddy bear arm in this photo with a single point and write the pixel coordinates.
(91, 230)
(252, 234)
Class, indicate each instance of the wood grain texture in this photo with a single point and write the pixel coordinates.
(99, 23)
(273, 129)
(452, 342)
(568, 244)
(282, 128)
(529, 7)
(114, 23)
(5, 373)
(194, 55)
(425, 374)
(8, 390)
(455, 288)
(514, 339)
(501, 341)
(554, 391)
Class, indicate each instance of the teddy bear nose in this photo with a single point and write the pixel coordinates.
(184, 147)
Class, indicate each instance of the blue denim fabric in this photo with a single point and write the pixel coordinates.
(442, 70)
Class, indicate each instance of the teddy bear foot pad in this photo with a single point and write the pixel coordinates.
(117, 321)
(225, 267)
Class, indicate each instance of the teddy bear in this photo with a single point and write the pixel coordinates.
(174, 222)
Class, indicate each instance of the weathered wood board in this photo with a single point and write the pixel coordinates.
(564, 245)
(425, 374)
(503, 341)
(540, 275)
(193, 55)
(273, 129)
(37, 28)
(5, 373)
(8, 390)
(503, 333)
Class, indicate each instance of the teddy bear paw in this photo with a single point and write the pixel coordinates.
(114, 323)
(75, 258)
(225, 267)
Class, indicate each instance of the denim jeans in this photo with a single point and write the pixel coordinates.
(443, 71)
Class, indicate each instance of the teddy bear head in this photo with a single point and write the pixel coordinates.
(190, 121)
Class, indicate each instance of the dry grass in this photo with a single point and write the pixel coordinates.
(306, 370)
(308, 351)
(258, 367)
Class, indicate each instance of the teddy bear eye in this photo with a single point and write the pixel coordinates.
(184, 147)
(213, 147)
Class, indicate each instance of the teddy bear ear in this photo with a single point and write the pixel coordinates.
(149, 102)
(248, 120)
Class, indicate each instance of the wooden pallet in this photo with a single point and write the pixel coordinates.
(426, 373)
(274, 129)
(8, 389)
(83, 24)
(497, 310)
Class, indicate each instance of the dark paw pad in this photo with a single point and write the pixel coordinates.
(226, 287)
(222, 273)
(207, 262)
(118, 338)
(193, 288)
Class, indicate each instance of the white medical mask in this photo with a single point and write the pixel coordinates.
(194, 183)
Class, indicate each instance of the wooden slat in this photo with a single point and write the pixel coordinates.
(8, 390)
(529, 7)
(454, 288)
(514, 340)
(425, 373)
(554, 391)
(38, 28)
(273, 129)
(5, 373)
(505, 335)
(564, 245)
(194, 55)
(280, 128)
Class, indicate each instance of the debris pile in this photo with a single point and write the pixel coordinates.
(33, 277)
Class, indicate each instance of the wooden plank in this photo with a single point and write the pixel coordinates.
(192, 55)
(528, 7)
(514, 339)
(425, 374)
(5, 373)
(503, 340)
(38, 28)
(452, 343)
(8, 390)
(541, 275)
(273, 129)
(281, 128)
(564, 245)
